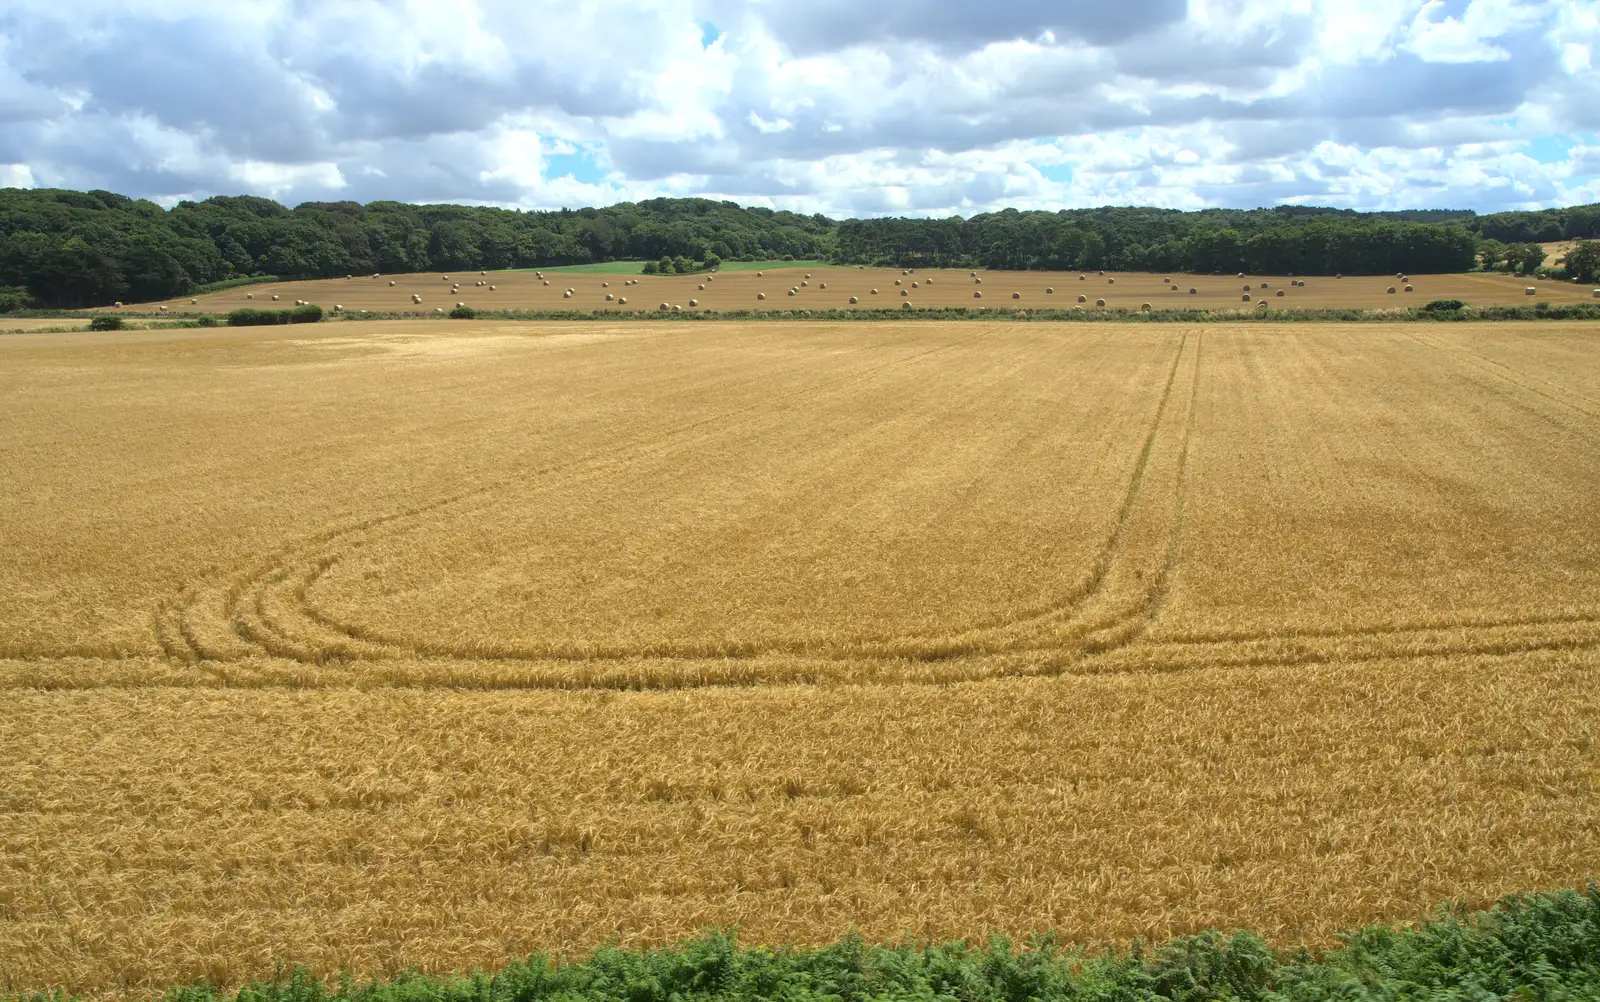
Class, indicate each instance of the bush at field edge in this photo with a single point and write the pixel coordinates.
(249, 317)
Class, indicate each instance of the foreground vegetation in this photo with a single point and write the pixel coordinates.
(67, 248)
(1542, 947)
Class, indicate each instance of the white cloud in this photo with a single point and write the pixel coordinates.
(904, 106)
(274, 179)
(15, 176)
(1437, 37)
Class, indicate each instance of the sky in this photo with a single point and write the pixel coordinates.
(846, 107)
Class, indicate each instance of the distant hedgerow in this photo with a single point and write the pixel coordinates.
(308, 314)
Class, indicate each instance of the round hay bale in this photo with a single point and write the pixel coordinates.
(1144, 307)
(391, 283)
(972, 274)
(1400, 275)
(1280, 293)
(1241, 274)
(117, 304)
(677, 309)
(1247, 288)
(1245, 298)
(1083, 299)
(1596, 293)
(163, 309)
(977, 295)
(610, 297)
(1338, 276)
(874, 292)
(445, 278)
(547, 283)
(249, 295)
(927, 281)
(1263, 285)
(1083, 278)
(761, 295)
(824, 285)
(1049, 291)
(1261, 305)
(758, 274)
(461, 304)
(1100, 302)
(491, 288)
(567, 294)
(913, 285)
(854, 300)
(905, 292)
(1111, 281)
(605, 285)
(1016, 295)
(194, 302)
(791, 292)
(804, 284)
(623, 301)
(664, 306)
(1410, 289)
(438, 309)
(1102, 273)
(808, 274)
(337, 308)
(538, 274)
(906, 305)
(897, 282)
(1530, 291)
(1390, 290)
(701, 287)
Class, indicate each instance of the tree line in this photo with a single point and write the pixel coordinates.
(69, 249)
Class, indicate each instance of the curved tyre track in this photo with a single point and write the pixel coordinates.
(1100, 624)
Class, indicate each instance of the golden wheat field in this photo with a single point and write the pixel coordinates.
(832, 288)
(431, 644)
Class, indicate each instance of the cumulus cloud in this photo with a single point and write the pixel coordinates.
(901, 106)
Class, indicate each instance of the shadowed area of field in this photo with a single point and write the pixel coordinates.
(438, 643)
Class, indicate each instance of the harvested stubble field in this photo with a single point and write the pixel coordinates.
(739, 290)
(447, 642)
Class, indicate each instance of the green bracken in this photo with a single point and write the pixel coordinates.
(1527, 947)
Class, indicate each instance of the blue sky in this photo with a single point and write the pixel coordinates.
(916, 107)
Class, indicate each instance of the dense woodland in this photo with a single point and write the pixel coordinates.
(68, 249)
